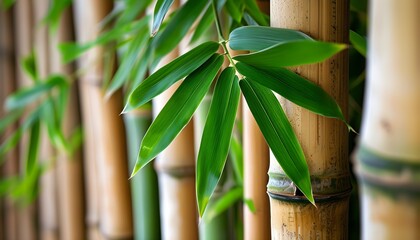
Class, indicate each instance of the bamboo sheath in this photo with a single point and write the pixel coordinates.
(23, 17)
(175, 168)
(256, 163)
(8, 84)
(69, 165)
(48, 204)
(105, 139)
(388, 158)
(324, 140)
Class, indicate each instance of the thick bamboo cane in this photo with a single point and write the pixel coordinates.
(69, 165)
(23, 17)
(175, 168)
(8, 85)
(48, 209)
(388, 158)
(106, 131)
(324, 141)
(256, 162)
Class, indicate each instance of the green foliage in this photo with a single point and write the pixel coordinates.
(358, 42)
(216, 136)
(161, 8)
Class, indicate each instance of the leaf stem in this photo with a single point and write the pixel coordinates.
(223, 41)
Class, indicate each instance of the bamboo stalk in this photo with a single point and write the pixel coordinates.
(48, 209)
(7, 86)
(324, 141)
(69, 165)
(144, 185)
(256, 162)
(175, 168)
(23, 18)
(388, 158)
(107, 134)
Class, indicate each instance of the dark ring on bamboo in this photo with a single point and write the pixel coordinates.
(317, 198)
(321, 186)
(178, 172)
(393, 175)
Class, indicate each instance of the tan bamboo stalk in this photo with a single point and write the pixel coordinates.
(388, 158)
(69, 165)
(256, 162)
(23, 18)
(175, 168)
(7, 86)
(48, 209)
(107, 138)
(324, 141)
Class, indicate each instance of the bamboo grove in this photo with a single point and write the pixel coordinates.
(209, 119)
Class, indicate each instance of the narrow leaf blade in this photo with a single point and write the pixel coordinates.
(256, 38)
(179, 25)
(358, 42)
(225, 202)
(217, 133)
(294, 88)
(291, 54)
(161, 8)
(169, 74)
(177, 112)
(279, 134)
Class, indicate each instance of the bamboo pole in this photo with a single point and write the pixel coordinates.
(175, 168)
(69, 165)
(7, 86)
(256, 162)
(48, 209)
(23, 18)
(144, 185)
(324, 141)
(106, 137)
(388, 158)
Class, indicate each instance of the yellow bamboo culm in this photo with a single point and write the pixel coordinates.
(388, 158)
(69, 165)
(24, 36)
(109, 212)
(324, 140)
(8, 84)
(256, 163)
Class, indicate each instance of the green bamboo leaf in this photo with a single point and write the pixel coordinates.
(9, 119)
(291, 54)
(237, 159)
(161, 8)
(29, 66)
(225, 202)
(134, 53)
(279, 134)
(55, 12)
(70, 51)
(294, 88)
(162, 79)
(131, 11)
(217, 133)
(178, 27)
(250, 204)
(34, 142)
(235, 9)
(28, 95)
(256, 38)
(255, 12)
(204, 23)
(178, 111)
(358, 42)
(5, 4)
